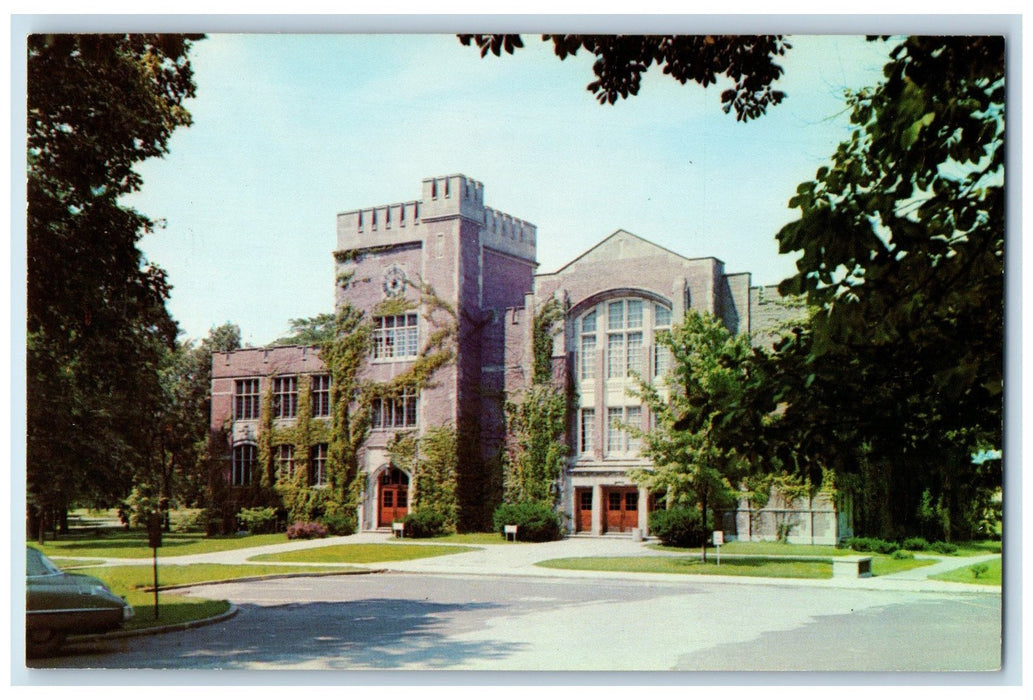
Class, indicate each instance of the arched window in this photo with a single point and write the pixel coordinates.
(625, 331)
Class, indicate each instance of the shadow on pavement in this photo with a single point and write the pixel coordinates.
(376, 634)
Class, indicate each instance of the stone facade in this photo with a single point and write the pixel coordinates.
(483, 263)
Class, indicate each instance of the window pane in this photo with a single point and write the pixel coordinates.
(615, 356)
(635, 352)
(634, 418)
(588, 323)
(661, 359)
(634, 313)
(663, 316)
(613, 432)
(588, 357)
(615, 319)
(587, 429)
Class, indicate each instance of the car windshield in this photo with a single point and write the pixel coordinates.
(36, 564)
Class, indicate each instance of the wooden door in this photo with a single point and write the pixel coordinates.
(393, 503)
(621, 509)
(583, 523)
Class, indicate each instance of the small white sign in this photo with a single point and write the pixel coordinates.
(719, 537)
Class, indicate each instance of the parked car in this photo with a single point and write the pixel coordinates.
(58, 604)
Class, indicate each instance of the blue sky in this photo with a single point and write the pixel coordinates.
(289, 130)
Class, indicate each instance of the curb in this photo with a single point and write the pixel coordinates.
(263, 577)
(193, 624)
(178, 627)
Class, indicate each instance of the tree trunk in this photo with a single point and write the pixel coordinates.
(704, 555)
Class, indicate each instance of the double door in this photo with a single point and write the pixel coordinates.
(621, 509)
(393, 498)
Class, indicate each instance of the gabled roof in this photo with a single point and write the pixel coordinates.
(601, 250)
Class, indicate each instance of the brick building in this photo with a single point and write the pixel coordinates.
(482, 262)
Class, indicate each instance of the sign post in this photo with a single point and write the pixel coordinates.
(719, 539)
(154, 541)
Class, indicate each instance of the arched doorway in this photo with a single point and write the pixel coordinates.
(392, 496)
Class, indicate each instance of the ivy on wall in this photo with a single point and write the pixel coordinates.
(434, 475)
(537, 422)
(345, 352)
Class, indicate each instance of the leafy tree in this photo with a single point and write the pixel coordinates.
(309, 331)
(97, 326)
(692, 446)
(181, 443)
(901, 245)
(748, 61)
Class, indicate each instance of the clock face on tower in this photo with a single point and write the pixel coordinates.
(394, 281)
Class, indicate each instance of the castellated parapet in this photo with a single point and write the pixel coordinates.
(447, 197)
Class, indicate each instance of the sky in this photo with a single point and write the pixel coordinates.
(289, 130)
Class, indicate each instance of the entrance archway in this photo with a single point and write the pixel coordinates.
(392, 496)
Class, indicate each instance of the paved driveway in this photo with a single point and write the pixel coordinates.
(412, 621)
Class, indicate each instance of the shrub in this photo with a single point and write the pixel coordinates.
(257, 520)
(306, 531)
(337, 524)
(872, 544)
(424, 523)
(902, 554)
(536, 522)
(187, 520)
(978, 570)
(943, 547)
(915, 544)
(677, 527)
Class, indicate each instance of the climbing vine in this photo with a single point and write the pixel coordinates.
(345, 351)
(537, 422)
(436, 471)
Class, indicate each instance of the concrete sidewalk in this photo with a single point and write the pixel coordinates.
(520, 560)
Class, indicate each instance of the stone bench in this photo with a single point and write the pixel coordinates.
(851, 567)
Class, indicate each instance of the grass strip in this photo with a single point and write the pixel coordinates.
(730, 566)
(965, 574)
(132, 544)
(476, 538)
(364, 553)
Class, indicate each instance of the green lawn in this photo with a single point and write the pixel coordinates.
(992, 577)
(764, 548)
(972, 549)
(132, 544)
(730, 566)
(364, 553)
(475, 538)
(883, 565)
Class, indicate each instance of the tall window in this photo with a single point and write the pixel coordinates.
(624, 337)
(317, 464)
(246, 399)
(245, 456)
(661, 353)
(587, 430)
(588, 346)
(395, 412)
(284, 462)
(321, 395)
(618, 440)
(395, 337)
(285, 397)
